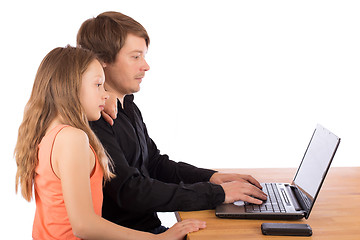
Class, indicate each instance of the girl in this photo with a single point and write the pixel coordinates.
(58, 154)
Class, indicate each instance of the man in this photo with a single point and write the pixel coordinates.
(146, 181)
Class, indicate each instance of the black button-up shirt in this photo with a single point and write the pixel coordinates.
(146, 181)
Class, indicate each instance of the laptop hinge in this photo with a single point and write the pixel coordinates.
(300, 199)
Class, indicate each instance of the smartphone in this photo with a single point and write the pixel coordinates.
(286, 229)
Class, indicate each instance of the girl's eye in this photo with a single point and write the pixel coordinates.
(98, 85)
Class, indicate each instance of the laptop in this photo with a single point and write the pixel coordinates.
(293, 201)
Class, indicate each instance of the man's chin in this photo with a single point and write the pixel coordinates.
(136, 90)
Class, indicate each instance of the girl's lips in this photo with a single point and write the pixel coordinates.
(102, 107)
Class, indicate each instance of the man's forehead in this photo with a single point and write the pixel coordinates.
(135, 43)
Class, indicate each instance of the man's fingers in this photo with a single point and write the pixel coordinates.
(245, 191)
(252, 180)
(111, 106)
(113, 113)
(255, 195)
(250, 199)
(107, 118)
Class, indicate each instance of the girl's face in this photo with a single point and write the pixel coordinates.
(92, 92)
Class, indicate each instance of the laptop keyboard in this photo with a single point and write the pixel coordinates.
(273, 202)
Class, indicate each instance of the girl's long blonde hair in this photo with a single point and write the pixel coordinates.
(55, 93)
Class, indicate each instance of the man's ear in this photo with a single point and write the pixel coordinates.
(103, 64)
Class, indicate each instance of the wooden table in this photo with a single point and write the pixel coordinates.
(340, 192)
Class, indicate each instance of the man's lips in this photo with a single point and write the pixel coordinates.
(139, 77)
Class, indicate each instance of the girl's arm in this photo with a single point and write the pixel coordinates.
(73, 162)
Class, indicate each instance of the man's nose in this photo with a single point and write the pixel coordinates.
(145, 66)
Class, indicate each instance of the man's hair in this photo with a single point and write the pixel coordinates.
(105, 34)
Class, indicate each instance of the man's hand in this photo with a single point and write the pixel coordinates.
(110, 110)
(245, 191)
(239, 187)
(219, 178)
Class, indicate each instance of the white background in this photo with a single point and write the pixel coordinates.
(232, 83)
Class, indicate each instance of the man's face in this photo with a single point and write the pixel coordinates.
(125, 74)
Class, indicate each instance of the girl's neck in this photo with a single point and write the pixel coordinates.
(55, 122)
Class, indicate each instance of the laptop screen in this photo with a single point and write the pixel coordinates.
(316, 161)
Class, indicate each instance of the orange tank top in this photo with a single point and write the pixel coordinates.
(51, 220)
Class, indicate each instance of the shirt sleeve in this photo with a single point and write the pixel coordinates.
(133, 191)
(166, 170)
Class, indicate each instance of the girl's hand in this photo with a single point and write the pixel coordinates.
(181, 229)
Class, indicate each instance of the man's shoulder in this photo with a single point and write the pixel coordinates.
(136, 108)
(130, 100)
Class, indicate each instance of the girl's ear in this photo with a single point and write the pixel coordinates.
(103, 64)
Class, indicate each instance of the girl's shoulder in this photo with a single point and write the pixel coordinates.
(70, 151)
(71, 136)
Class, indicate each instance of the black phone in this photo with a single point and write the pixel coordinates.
(286, 229)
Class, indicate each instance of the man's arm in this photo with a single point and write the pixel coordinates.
(235, 186)
(133, 191)
(167, 170)
(162, 168)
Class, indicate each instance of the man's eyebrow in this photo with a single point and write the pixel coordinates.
(136, 51)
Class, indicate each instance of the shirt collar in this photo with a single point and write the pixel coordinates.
(128, 100)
